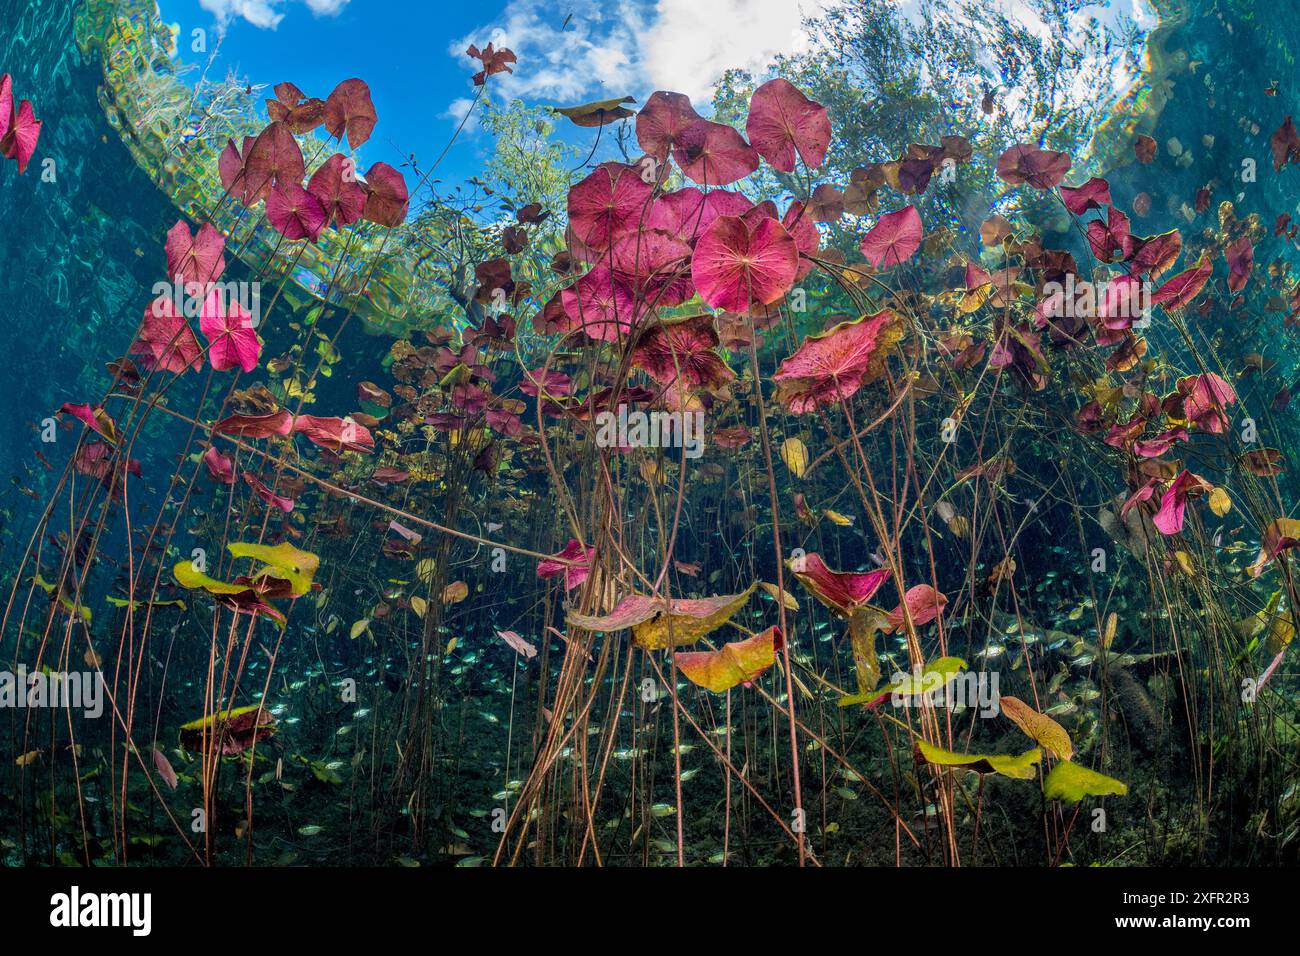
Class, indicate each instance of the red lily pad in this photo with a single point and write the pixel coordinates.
(293, 108)
(294, 212)
(1184, 287)
(842, 591)
(229, 331)
(1091, 195)
(229, 732)
(195, 259)
(166, 341)
(834, 364)
(893, 239)
(273, 158)
(714, 154)
(1040, 168)
(348, 109)
(609, 203)
(336, 188)
(575, 564)
(267, 495)
(736, 267)
(739, 662)
(662, 120)
(387, 200)
(683, 352)
(1169, 518)
(256, 426)
(782, 121)
(924, 604)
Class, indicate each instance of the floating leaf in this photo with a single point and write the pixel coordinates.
(1108, 632)
(424, 570)
(795, 456)
(1219, 502)
(1040, 728)
(782, 121)
(893, 239)
(735, 663)
(598, 113)
(737, 266)
(651, 619)
(359, 627)
(1071, 782)
(1020, 766)
(164, 768)
(933, 676)
(777, 594)
(843, 591)
(455, 592)
(281, 561)
(190, 577)
(236, 729)
(419, 605)
(831, 366)
(1280, 535)
(520, 645)
(1184, 287)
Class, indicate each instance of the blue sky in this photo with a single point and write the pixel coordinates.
(411, 53)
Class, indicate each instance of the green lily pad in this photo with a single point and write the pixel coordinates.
(1019, 766)
(1072, 782)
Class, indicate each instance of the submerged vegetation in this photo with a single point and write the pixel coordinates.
(851, 477)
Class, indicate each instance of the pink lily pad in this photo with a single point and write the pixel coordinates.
(782, 121)
(736, 267)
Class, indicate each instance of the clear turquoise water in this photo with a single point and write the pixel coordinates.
(77, 254)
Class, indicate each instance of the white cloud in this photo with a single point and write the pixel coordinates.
(265, 14)
(456, 111)
(691, 43)
(637, 46)
(590, 55)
